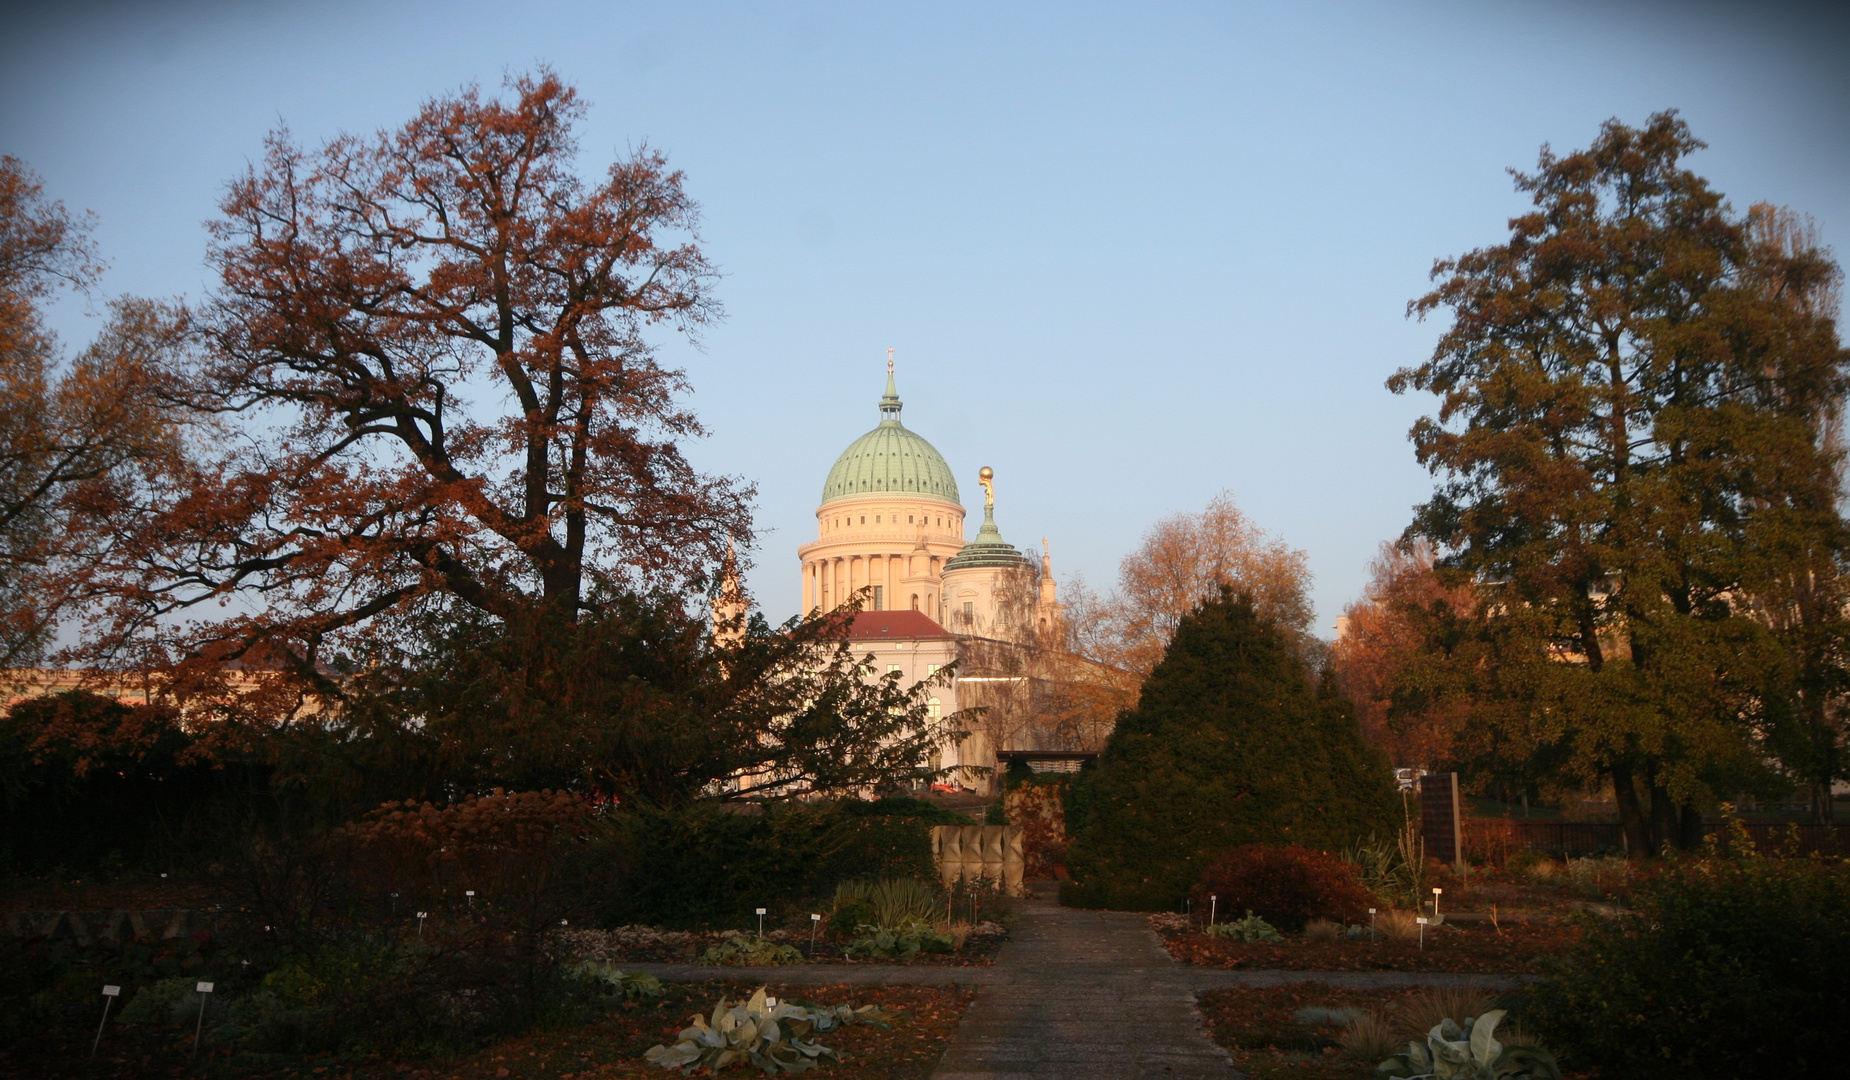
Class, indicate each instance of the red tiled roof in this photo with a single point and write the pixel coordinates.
(894, 625)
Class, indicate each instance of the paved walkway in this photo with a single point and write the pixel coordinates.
(1093, 994)
(1079, 994)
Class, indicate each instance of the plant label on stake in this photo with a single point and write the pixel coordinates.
(470, 893)
(1435, 903)
(202, 989)
(815, 924)
(1422, 921)
(1213, 907)
(760, 922)
(421, 915)
(110, 994)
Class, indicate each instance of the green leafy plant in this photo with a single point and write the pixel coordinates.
(158, 1002)
(903, 942)
(736, 948)
(893, 900)
(604, 976)
(1471, 1052)
(775, 1038)
(1249, 930)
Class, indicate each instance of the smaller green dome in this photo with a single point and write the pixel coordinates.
(890, 459)
(988, 549)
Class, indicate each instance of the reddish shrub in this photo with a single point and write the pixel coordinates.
(1288, 886)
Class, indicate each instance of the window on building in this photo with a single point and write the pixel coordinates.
(908, 519)
(876, 519)
(932, 669)
(933, 709)
(893, 669)
(879, 598)
(969, 611)
(863, 519)
(915, 601)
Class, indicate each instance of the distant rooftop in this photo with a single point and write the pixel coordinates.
(895, 626)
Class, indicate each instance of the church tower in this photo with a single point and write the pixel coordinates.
(989, 586)
(889, 521)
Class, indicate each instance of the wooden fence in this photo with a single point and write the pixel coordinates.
(1496, 839)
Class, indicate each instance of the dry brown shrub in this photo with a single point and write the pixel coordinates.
(1370, 1037)
(1322, 930)
(1425, 1008)
(1397, 925)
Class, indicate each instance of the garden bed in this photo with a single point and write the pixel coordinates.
(1484, 948)
(643, 944)
(1260, 1028)
(924, 1019)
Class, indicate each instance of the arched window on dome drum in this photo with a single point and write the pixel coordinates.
(915, 601)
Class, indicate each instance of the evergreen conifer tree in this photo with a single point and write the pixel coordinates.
(1231, 744)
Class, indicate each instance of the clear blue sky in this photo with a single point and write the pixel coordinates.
(1129, 254)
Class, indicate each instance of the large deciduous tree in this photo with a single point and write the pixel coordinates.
(431, 351)
(1384, 640)
(1628, 427)
(1184, 560)
(77, 438)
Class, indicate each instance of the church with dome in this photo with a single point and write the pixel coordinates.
(890, 530)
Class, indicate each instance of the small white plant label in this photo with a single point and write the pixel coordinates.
(203, 988)
(761, 911)
(112, 991)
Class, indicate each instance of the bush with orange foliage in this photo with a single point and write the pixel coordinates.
(1288, 886)
(501, 845)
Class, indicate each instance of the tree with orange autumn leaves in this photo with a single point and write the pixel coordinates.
(79, 437)
(1381, 643)
(379, 298)
(436, 502)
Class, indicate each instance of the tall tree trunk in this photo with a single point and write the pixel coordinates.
(1691, 838)
(1666, 823)
(1631, 815)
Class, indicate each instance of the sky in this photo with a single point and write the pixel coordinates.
(1128, 255)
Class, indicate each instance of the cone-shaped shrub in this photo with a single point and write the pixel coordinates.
(1230, 745)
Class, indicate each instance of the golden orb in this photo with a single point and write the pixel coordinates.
(987, 473)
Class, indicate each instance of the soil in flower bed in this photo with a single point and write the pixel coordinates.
(1257, 1026)
(1471, 947)
(923, 1020)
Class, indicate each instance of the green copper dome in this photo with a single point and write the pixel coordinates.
(892, 459)
(988, 549)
